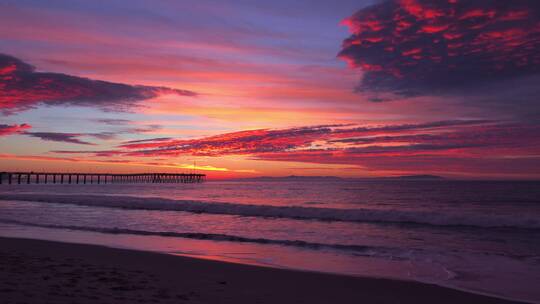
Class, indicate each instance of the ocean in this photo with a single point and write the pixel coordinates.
(479, 236)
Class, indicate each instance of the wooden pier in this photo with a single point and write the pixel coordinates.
(97, 178)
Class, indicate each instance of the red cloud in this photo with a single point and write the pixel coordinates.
(22, 88)
(13, 129)
(372, 147)
(293, 139)
(243, 142)
(423, 47)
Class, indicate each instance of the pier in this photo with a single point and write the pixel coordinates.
(98, 178)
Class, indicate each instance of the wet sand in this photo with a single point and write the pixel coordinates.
(35, 271)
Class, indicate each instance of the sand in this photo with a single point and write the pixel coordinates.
(35, 271)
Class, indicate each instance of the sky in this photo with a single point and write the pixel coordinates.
(272, 88)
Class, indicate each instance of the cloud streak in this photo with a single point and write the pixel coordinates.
(72, 138)
(23, 88)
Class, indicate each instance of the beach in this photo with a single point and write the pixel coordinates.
(36, 271)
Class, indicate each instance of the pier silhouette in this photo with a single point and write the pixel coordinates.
(98, 178)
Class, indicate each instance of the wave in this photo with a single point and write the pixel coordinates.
(357, 249)
(434, 218)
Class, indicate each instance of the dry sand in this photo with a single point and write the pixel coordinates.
(34, 271)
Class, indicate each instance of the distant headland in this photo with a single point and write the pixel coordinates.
(337, 178)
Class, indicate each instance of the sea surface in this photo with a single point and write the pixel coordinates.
(479, 236)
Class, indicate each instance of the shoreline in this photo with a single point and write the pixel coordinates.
(33, 270)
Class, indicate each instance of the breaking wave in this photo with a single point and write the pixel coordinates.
(357, 249)
(433, 218)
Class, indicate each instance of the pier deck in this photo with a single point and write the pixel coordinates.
(97, 178)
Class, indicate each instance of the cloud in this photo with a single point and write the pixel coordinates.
(158, 139)
(488, 142)
(243, 142)
(113, 121)
(98, 153)
(144, 129)
(332, 138)
(386, 129)
(13, 129)
(71, 137)
(102, 135)
(419, 47)
(22, 88)
(75, 138)
(131, 126)
(503, 134)
(60, 137)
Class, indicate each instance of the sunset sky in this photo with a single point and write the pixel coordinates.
(251, 88)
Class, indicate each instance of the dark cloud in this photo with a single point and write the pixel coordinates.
(102, 135)
(144, 129)
(159, 139)
(420, 47)
(72, 138)
(132, 127)
(113, 121)
(13, 129)
(22, 88)
(412, 127)
(99, 153)
(502, 134)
